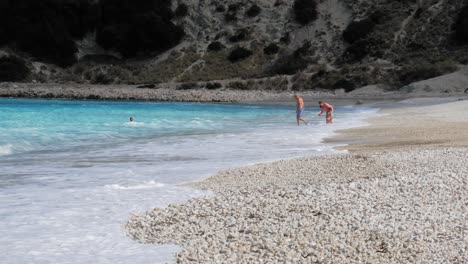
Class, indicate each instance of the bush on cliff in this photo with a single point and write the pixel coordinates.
(137, 27)
(215, 46)
(356, 51)
(45, 29)
(238, 54)
(305, 11)
(358, 30)
(239, 36)
(253, 11)
(181, 10)
(231, 14)
(461, 26)
(293, 63)
(420, 70)
(13, 69)
(271, 49)
(48, 29)
(213, 85)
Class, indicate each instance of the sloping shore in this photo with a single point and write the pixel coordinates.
(267, 95)
(389, 202)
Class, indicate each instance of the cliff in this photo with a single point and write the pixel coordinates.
(272, 44)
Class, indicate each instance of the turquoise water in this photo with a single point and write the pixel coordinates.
(51, 124)
(73, 171)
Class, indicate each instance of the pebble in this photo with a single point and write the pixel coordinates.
(402, 206)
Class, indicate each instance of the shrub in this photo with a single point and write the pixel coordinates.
(357, 51)
(231, 14)
(302, 50)
(181, 10)
(345, 84)
(253, 11)
(47, 29)
(422, 70)
(305, 11)
(230, 17)
(271, 49)
(215, 46)
(286, 39)
(278, 3)
(220, 8)
(240, 35)
(234, 7)
(13, 69)
(188, 86)
(213, 86)
(332, 80)
(134, 29)
(238, 54)
(358, 30)
(238, 86)
(461, 26)
(101, 78)
(293, 63)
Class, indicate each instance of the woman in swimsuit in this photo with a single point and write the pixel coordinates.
(327, 108)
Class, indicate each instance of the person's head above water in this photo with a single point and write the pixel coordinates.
(131, 119)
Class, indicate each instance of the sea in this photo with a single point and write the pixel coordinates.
(73, 171)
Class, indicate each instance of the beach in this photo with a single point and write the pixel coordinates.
(398, 196)
(92, 163)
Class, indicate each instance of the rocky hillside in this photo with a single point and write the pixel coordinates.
(240, 44)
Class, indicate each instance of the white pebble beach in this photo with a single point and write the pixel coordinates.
(398, 196)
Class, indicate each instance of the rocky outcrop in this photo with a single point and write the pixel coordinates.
(350, 44)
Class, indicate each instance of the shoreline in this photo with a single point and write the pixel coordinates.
(253, 201)
(362, 96)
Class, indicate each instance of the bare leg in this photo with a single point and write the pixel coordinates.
(303, 120)
(329, 118)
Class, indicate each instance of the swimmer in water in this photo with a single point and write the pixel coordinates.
(131, 119)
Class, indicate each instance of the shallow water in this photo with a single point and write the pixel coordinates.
(73, 171)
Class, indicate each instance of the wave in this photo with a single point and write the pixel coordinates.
(6, 150)
(134, 124)
(144, 185)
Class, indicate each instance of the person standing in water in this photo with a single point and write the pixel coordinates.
(300, 110)
(328, 109)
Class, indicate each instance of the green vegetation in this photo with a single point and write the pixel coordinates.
(13, 69)
(213, 85)
(305, 11)
(239, 36)
(238, 54)
(47, 29)
(215, 46)
(419, 70)
(461, 26)
(293, 63)
(253, 11)
(181, 10)
(271, 49)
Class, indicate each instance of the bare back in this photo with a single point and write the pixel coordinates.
(300, 103)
